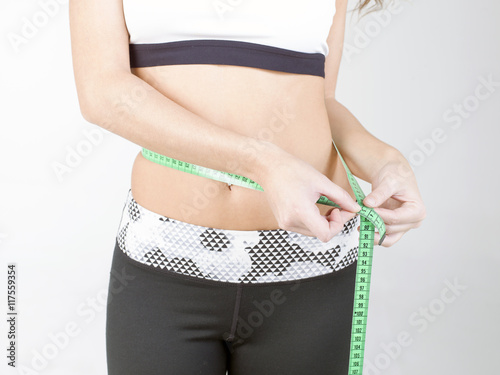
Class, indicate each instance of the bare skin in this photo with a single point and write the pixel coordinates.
(286, 109)
(272, 127)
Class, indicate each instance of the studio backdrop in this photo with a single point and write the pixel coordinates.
(423, 76)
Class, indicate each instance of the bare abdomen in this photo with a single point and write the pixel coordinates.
(286, 109)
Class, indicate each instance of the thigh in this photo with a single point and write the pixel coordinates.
(296, 328)
(155, 327)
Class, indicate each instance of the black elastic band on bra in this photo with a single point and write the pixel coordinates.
(227, 52)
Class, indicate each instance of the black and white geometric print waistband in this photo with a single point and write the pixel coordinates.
(258, 256)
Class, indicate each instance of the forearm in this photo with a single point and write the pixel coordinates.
(157, 123)
(364, 154)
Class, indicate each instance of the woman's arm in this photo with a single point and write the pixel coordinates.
(394, 187)
(115, 99)
(357, 145)
(347, 131)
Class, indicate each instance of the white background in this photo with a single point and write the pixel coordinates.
(402, 71)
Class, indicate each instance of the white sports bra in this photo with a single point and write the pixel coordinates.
(282, 35)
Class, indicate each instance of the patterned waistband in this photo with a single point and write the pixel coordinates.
(255, 256)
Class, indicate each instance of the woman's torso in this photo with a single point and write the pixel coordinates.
(283, 108)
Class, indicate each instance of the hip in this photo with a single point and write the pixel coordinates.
(172, 246)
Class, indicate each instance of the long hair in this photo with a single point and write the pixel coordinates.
(362, 4)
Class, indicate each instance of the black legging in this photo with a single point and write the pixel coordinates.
(160, 322)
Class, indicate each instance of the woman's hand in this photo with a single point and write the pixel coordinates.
(396, 198)
(292, 187)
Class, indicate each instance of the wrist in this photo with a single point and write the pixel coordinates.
(389, 159)
(260, 159)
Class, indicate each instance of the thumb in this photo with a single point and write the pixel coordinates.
(378, 196)
(338, 195)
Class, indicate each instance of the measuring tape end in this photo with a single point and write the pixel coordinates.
(381, 239)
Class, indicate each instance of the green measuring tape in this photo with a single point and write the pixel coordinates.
(369, 220)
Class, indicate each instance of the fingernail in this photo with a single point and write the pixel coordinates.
(358, 207)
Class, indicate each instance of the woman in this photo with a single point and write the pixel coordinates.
(214, 277)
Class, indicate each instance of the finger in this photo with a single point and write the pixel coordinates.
(337, 219)
(345, 215)
(316, 223)
(389, 229)
(392, 230)
(336, 223)
(389, 240)
(338, 195)
(409, 212)
(379, 195)
(396, 228)
(328, 212)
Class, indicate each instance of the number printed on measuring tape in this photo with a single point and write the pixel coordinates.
(369, 221)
